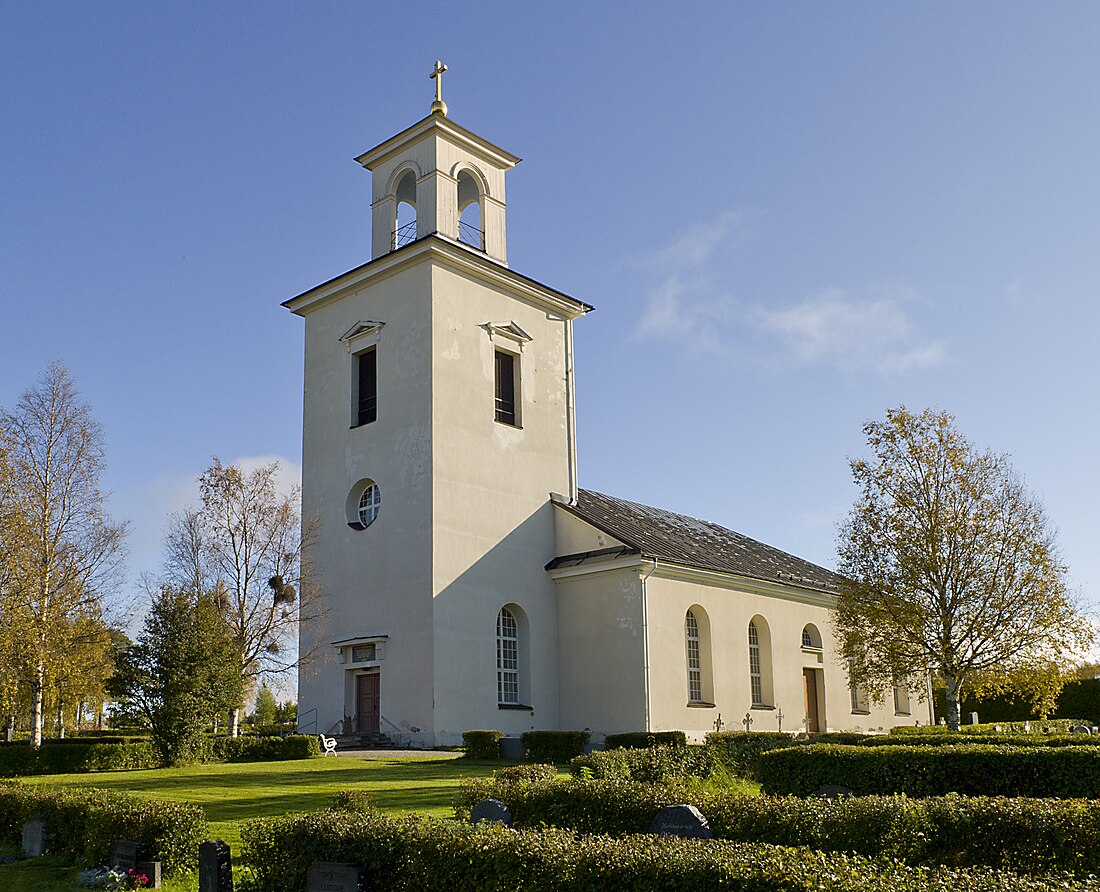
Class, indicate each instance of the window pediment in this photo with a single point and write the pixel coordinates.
(361, 335)
(508, 334)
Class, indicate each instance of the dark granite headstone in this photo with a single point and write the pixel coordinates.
(215, 867)
(511, 748)
(125, 853)
(834, 791)
(327, 876)
(681, 820)
(151, 869)
(491, 810)
(34, 839)
(1081, 729)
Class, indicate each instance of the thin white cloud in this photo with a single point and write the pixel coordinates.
(850, 332)
(855, 332)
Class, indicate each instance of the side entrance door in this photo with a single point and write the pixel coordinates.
(813, 710)
(367, 699)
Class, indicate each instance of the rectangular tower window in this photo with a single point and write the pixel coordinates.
(506, 388)
(367, 392)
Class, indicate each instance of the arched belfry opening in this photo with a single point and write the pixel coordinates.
(470, 229)
(436, 178)
(404, 228)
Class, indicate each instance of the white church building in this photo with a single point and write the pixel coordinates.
(468, 581)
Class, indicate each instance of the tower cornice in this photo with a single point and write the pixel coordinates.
(445, 127)
(452, 254)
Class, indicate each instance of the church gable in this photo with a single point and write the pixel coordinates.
(688, 541)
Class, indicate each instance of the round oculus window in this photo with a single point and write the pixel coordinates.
(369, 503)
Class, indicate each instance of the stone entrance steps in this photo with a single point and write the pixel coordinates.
(372, 741)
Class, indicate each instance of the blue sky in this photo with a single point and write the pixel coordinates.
(790, 216)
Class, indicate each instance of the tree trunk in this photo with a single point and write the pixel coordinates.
(954, 690)
(60, 719)
(37, 690)
(234, 727)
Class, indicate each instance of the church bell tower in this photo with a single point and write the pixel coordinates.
(438, 418)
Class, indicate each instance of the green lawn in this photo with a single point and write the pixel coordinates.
(230, 794)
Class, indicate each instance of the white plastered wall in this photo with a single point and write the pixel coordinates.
(729, 611)
(377, 580)
(493, 521)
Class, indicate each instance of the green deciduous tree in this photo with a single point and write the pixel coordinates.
(59, 547)
(182, 671)
(244, 544)
(951, 566)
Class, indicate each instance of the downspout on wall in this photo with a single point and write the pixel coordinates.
(570, 412)
(645, 648)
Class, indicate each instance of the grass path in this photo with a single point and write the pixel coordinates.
(230, 794)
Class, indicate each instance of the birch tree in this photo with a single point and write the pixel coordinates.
(243, 545)
(951, 566)
(62, 549)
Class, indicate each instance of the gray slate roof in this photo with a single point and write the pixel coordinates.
(688, 541)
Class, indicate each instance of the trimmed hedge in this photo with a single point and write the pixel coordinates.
(989, 739)
(970, 769)
(1037, 726)
(50, 758)
(79, 757)
(553, 746)
(740, 751)
(82, 823)
(427, 855)
(655, 765)
(1038, 836)
(482, 744)
(641, 740)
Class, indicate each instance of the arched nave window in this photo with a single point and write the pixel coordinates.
(694, 658)
(760, 662)
(697, 643)
(507, 657)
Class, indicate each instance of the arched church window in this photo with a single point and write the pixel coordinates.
(811, 637)
(760, 662)
(507, 657)
(694, 658)
(756, 677)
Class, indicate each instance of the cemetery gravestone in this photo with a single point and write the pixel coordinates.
(491, 810)
(151, 870)
(511, 748)
(685, 821)
(327, 876)
(34, 839)
(125, 853)
(215, 867)
(1081, 729)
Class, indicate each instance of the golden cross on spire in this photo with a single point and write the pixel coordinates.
(437, 75)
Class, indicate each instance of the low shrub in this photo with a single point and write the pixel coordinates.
(482, 744)
(354, 801)
(82, 823)
(427, 855)
(1037, 836)
(936, 739)
(50, 758)
(524, 774)
(263, 749)
(655, 765)
(970, 769)
(553, 746)
(740, 751)
(640, 740)
(1034, 726)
